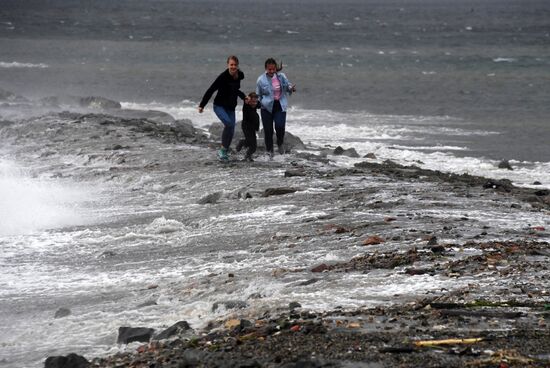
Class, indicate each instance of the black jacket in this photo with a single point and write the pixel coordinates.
(228, 90)
(251, 120)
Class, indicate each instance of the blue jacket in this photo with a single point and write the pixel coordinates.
(264, 89)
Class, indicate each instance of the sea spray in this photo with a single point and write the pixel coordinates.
(31, 204)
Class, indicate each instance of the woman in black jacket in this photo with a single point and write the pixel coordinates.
(228, 85)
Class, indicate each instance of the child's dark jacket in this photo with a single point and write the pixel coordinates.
(251, 119)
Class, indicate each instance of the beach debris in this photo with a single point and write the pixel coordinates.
(295, 328)
(373, 240)
(432, 240)
(429, 343)
(502, 358)
(320, 268)
(336, 229)
(232, 323)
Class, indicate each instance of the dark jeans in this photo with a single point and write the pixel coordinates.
(249, 141)
(277, 116)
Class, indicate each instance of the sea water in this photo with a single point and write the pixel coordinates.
(455, 86)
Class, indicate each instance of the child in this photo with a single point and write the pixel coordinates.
(250, 125)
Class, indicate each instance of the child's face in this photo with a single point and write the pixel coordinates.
(253, 101)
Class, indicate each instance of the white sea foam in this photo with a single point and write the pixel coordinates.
(386, 136)
(504, 60)
(29, 204)
(162, 225)
(15, 64)
(430, 148)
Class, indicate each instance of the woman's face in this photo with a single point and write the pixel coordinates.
(233, 66)
(271, 69)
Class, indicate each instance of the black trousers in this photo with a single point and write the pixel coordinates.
(277, 117)
(249, 140)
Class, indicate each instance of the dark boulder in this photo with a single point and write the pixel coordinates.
(210, 198)
(176, 329)
(350, 152)
(500, 185)
(127, 335)
(432, 240)
(294, 172)
(278, 191)
(185, 128)
(505, 164)
(70, 361)
(62, 312)
(290, 144)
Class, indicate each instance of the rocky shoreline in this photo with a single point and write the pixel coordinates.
(507, 326)
(465, 328)
(500, 318)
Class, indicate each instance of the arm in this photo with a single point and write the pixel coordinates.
(209, 92)
(260, 90)
(290, 88)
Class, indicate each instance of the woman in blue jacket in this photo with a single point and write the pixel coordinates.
(272, 88)
(228, 85)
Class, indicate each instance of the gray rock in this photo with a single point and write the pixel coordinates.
(432, 241)
(294, 305)
(62, 312)
(350, 152)
(229, 304)
(179, 328)
(292, 142)
(505, 164)
(147, 304)
(127, 335)
(278, 191)
(210, 198)
(152, 115)
(294, 172)
(185, 128)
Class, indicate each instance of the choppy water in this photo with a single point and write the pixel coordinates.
(447, 85)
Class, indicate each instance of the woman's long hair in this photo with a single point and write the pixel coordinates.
(272, 61)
